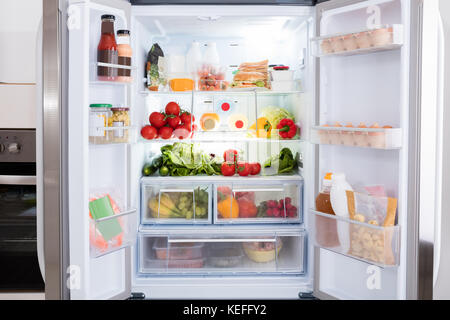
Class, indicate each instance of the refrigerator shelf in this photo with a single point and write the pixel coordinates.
(219, 137)
(372, 244)
(113, 135)
(181, 202)
(222, 93)
(388, 139)
(222, 179)
(222, 254)
(112, 233)
(383, 38)
(258, 201)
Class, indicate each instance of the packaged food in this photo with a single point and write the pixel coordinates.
(107, 50)
(174, 263)
(224, 255)
(281, 74)
(252, 75)
(125, 54)
(155, 76)
(238, 122)
(181, 84)
(119, 118)
(211, 78)
(177, 251)
(367, 242)
(99, 115)
(263, 251)
(209, 121)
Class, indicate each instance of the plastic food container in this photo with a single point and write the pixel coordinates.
(211, 78)
(175, 264)
(99, 115)
(283, 85)
(178, 251)
(224, 256)
(282, 75)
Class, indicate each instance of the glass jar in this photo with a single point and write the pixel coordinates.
(125, 54)
(99, 115)
(107, 50)
(119, 118)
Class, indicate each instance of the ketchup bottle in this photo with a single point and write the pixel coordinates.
(107, 50)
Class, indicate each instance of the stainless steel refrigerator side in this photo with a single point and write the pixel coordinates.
(52, 156)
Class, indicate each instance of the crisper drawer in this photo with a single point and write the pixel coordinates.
(176, 202)
(263, 202)
(217, 253)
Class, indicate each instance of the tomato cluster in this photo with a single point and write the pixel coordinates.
(174, 122)
(232, 165)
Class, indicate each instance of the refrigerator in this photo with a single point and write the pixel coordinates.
(156, 257)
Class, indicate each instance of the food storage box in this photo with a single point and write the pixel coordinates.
(221, 252)
(386, 37)
(175, 202)
(377, 138)
(281, 75)
(112, 233)
(363, 241)
(264, 202)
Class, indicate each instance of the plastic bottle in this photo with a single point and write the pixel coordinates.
(211, 55)
(323, 203)
(193, 58)
(338, 196)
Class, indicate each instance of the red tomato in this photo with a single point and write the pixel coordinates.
(231, 155)
(186, 117)
(182, 131)
(157, 119)
(243, 169)
(166, 132)
(255, 168)
(173, 108)
(173, 121)
(224, 190)
(149, 132)
(228, 169)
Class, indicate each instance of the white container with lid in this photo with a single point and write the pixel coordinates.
(193, 58)
(98, 119)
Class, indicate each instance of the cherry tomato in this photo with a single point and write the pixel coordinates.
(231, 155)
(149, 132)
(157, 119)
(186, 117)
(173, 121)
(172, 108)
(243, 168)
(255, 168)
(182, 131)
(228, 169)
(166, 132)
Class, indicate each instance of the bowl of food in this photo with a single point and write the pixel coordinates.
(263, 251)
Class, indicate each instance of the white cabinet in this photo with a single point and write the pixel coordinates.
(19, 24)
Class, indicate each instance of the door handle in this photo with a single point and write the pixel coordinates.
(18, 180)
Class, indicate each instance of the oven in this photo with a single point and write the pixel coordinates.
(19, 267)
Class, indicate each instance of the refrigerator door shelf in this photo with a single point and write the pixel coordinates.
(246, 202)
(356, 137)
(214, 254)
(112, 233)
(113, 135)
(182, 202)
(125, 81)
(368, 41)
(372, 244)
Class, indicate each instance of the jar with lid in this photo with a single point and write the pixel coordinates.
(107, 52)
(120, 118)
(125, 54)
(99, 115)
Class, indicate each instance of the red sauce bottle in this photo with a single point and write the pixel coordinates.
(107, 50)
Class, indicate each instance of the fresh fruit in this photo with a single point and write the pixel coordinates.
(228, 169)
(173, 121)
(186, 117)
(245, 195)
(231, 155)
(182, 131)
(243, 169)
(157, 119)
(163, 171)
(149, 132)
(172, 108)
(166, 132)
(247, 208)
(228, 208)
(255, 168)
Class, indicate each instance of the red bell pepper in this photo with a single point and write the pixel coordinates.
(287, 128)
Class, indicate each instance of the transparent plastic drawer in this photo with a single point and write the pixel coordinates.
(176, 203)
(373, 244)
(265, 202)
(381, 138)
(387, 37)
(112, 233)
(223, 254)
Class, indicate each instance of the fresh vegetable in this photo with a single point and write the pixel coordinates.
(157, 119)
(163, 171)
(247, 208)
(276, 114)
(149, 132)
(261, 129)
(255, 168)
(166, 132)
(182, 131)
(223, 190)
(186, 159)
(186, 117)
(228, 207)
(148, 170)
(245, 195)
(172, 108)
(173, 121)
(283, 163)
(243, 168)
(231, 155)
(287, 129)
(157, 162)
(228, 169)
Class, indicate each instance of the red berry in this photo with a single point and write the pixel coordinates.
(276, 213)
(272, 204)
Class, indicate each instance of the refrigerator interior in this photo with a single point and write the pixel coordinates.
(281, 34)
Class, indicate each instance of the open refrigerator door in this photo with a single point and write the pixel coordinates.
(365, 127)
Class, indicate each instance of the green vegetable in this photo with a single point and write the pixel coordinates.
(285, 162)
(276, 114)
(157, 162)
(164, 171)
(148, 170)
(260, 83)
